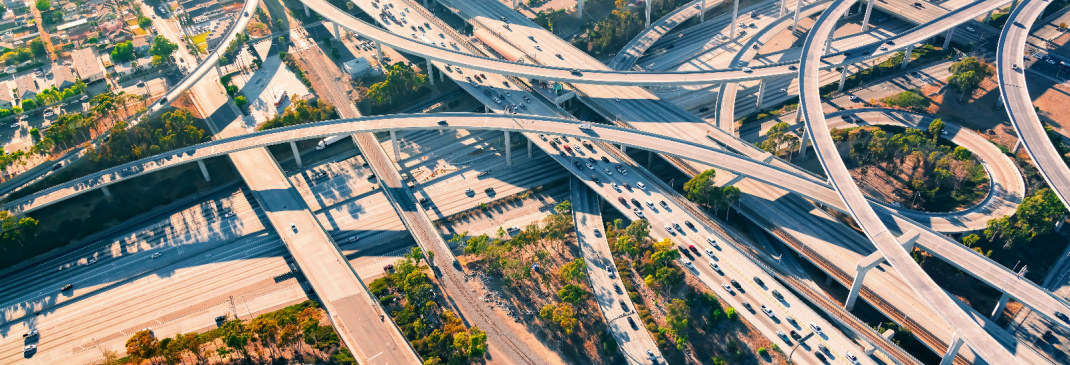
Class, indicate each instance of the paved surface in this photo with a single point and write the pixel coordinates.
(1014, 91)
(635, 48)
(592, 74)
(608, 292)
(968, 330)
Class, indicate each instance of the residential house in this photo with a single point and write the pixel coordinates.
(63, 77)
(7, 100)
(16, 4)
(141, 45)
(26, 86)
(87, 65)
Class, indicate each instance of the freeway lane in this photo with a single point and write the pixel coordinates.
(631, 78)
(811, 107)
(1015, 93)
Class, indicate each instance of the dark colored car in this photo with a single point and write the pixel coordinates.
(617, 288)
(632, 323)
(795, 335)
(736, 284)
(1062, 316)
(759, 281)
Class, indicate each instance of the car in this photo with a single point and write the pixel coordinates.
(615, 187)
(1062, 317)
(682, 250)
(793, 67)
(597, 233)
(689, 224)
(851, 357)
(649, 204)
(748, 306)
(636, 203)
(969, 28)
(638, 213)
(822, 347)
(488, 190)
(29, 348)
(736, 284)
(713, 265)
(782, 335)
(596, 179)
(230, 215)
(30, 333)
(616, 288)
(590, 166)
(677, 226)
(816, 328)
(688, 263)
(709, 252)
(747, 69)
(693, 249)
(791, 320)
(759, 281)
(91, 260)
(15, 125)
(353, 239)
(604, 159)
(66, 287)
(626, 186)
(917, 4)
(469, 191)
(728, 288)
(664, 204)
(155, 255)
(631, 322)
(443, 122)
(220, 318)
(293, 227)
(820, 356)
(767, 311)
(795, 335)
(703, 109)
(578, 165)
(651, 354)
(624, 306)
(668, 228)
(855, 98)
(777, 295)
(612, 275)
(388, 268)
(640, 185)
(605, 170)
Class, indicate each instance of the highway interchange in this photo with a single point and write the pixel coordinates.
(217, 228)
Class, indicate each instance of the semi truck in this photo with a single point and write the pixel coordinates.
(328, 141)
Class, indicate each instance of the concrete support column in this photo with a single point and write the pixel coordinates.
(379, 49)
(805, 140)
(783, 8)
(952, 351)
(1013, 5)
(987, 17)
(204, 170)
(795, 20)
(579, 9)
(514, 4)
(104, 189)
(529, 148)
(647, 12)
(828, 45)
(1000, 306)
(843, 77)
(761, 93)
(1017, 146)
(828, 279)
(218, 71)
(947, 37)
(702, 12)
(508, 150)
(394, 142)
(337, 32)
(906, 58)
(649, 159)
(735, 19)
(624, 148)
(430, 73)
(307, 12)
(856, 287)
(297, 155)
(865, 19)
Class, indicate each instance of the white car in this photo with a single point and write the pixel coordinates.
(709, 252)
(668, 228)
(615, 186)
(91, 261)
(728, 288)
(650, 204)
(30, 333)
(605, 170)
(640, 186)
(711, 241)
(229, 215)
(747, 69)
(590, 166)
(816, 328)
(688, 263)
(29, 348)
(851, 357)
(767, 311)
(714, 266)
(638, 213)
(155, 255)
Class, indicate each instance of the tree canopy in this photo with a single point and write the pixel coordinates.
(123, 52)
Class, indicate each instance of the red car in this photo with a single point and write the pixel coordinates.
(567, 148)
(693, 249)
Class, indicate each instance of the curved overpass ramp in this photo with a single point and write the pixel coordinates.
(635, 78)
(965, 327)
(1015, 93)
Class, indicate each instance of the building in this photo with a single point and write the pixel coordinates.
(7, 100)
(15, 4)
(359, 67)
(141, 45)
(87, 65)
(63, 77)
(27, 87)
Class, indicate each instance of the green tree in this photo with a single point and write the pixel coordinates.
(240, 101)
(571, 293)
(573, 270)
(123, 52)
(37, 46)
(142, 345)
(936, 127)
(162, 48)
(564, 208)
(565, 317)
(970, 239)
(700, 189)
(43, 5)
(144, 22)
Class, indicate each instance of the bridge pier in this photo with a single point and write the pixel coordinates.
(104, 189)
(529, 148)
(337, 32)
(508, 150)
(987, 17)
(649, 159)
(865, 19)
(906, 58)
(379, 48)
(579, 9)
(204, 170)
(647, 13)
(624, 148)
(761, 93)
(430, 73)
(795, 21)
(783, 8)
(297, 155)
(735, 19)
(828, 46)
(1017, 146)
(843, 77)
(307, 12)
(702, 12)
(869, 262)
(952, 351)
(947, 37)
(1000, 306)
(1013, 4)
(394, 142)
(514, 4)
